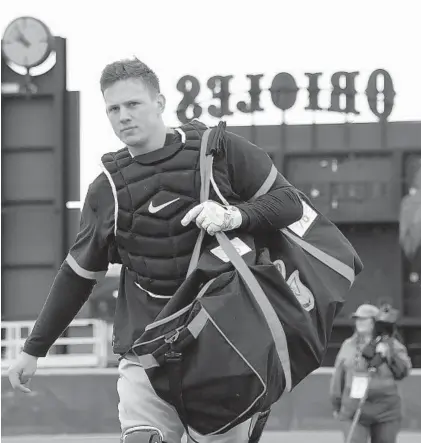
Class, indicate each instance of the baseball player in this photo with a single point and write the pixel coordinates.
(144, 212)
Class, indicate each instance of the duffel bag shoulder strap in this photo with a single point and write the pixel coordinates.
(275, 326)
(206, 162)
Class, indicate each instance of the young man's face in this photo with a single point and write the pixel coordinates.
(133, 110)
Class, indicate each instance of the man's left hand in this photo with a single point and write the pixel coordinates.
(213, 217)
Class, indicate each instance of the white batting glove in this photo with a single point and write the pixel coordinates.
(213, 217)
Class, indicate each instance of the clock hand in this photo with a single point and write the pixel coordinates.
(24, 40)
(21, 37)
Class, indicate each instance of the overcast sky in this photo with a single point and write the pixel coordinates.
(210, 37)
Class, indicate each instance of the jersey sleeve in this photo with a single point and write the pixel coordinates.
(250, 168)
(67, 295)
(86, 263)
(270, 201)
(88, 257)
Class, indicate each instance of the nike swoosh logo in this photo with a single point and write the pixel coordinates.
(154, 209)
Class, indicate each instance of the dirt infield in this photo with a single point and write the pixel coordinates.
(268, 437)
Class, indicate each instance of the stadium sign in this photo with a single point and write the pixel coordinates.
(284, 90)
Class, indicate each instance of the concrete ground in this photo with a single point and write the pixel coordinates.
(268, 437)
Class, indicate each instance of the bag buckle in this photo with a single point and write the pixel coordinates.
(173, 356)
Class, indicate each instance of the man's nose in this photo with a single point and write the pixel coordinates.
(124, 114)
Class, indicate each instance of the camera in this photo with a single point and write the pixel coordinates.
(384, 328)
(385, 321)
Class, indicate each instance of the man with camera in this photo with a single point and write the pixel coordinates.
(368, 368)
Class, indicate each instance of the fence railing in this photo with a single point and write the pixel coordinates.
(86, 342)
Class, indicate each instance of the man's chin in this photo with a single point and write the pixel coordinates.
(132, 140)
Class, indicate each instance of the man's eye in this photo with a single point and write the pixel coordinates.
(132, 104)
(113, 109)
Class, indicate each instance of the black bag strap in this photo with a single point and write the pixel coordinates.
(208, 147)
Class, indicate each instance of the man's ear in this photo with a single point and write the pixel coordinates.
(161, 102)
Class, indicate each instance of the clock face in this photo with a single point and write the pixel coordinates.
(27, 42)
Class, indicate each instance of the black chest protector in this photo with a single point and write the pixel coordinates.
(152, 194)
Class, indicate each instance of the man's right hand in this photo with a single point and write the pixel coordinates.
(21, 372)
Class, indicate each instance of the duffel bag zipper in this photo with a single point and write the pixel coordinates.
(172, 355)
(172, 337)
(136, 345)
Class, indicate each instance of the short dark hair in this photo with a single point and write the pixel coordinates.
(129, 68)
